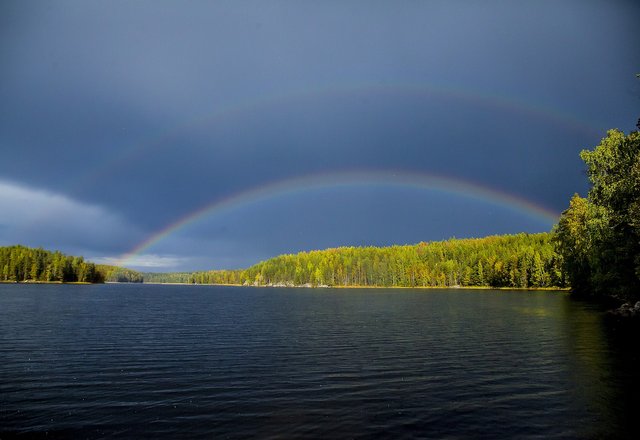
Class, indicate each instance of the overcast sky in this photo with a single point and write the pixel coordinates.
(248, 129)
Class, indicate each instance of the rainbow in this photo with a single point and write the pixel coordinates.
(267, 102)
(337, 180)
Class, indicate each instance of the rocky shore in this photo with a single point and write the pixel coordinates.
(627, 310)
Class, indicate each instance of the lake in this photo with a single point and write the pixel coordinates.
(159, 361)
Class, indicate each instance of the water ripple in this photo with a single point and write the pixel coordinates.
(188, 362)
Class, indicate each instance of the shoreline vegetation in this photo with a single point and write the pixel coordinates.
(46, 282)
(598, 237)
(308, 286)
(521, 261)
(21, 264)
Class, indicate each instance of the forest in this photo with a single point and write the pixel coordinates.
(598, 237)
(522, 260)
(115, 274)
(168, 277)
(20, 263)
(24, 264)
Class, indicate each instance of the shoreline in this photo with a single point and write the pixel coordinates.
(47, 282)
(524, 289)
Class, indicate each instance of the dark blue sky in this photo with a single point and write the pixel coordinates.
(119, 119)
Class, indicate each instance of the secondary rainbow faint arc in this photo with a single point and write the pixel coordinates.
(231, 109)
(348, 179)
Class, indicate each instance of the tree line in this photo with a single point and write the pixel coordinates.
(22, 264)
(169, 277)
(522, 260)
(115, 274)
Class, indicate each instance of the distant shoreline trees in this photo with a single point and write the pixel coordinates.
(115, 274)
(522, 261)
(24, 264)
(20, 263)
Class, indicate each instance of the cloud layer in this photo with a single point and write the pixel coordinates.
(37, 217)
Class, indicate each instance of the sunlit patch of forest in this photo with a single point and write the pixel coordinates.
(522, 260)
(24, 264)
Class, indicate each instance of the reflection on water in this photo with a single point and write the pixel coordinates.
(604, 366)
(589, 365)
(204, 361)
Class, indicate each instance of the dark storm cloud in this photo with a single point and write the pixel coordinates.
(149, 110)
(34, 217)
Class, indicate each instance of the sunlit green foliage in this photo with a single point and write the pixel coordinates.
(171, 277)
(119, 274)
(598, 237)
(523, 260)
(19, 263)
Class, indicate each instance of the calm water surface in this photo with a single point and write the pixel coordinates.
(128, 361)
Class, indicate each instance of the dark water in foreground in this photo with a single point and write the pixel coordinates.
(220, 362)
